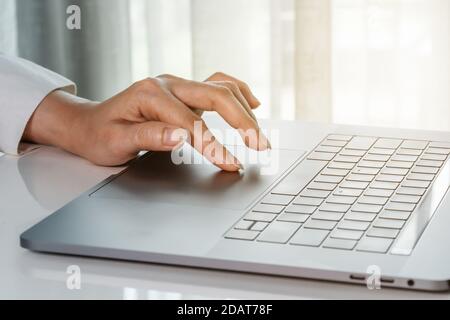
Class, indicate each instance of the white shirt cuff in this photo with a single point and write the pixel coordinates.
(23, 85)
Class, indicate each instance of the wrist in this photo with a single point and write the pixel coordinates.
(60, 120)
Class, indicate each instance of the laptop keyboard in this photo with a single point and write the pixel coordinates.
(350, 193)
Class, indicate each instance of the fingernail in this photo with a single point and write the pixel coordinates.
(174, 136)
(264, 143)
(256, 100)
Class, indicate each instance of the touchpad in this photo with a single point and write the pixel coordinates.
(156, 178)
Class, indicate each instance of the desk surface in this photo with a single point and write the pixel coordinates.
(36, 184)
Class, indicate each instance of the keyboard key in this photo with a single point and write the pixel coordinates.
(379, 192)
(242, 234)
(339, 244)
(402, 157)
(327, 215)
(377, 157)
(351, 159)
(442, 145)
(333, 143)
(388, 223)
(321, 194)
(369, 208)
(269, 208)
(309, 237)
(295, 208)
(389, 178)
(279, 199)
(430, 163)
(371, 244)
(360, 216)
(308, 201)
(353, 225)
(260, 216)
(327, 149)
(384, 185)
(361, 143)
(398, 206)
(341, 165)
(279, 232)
(440, 151)
(293, 217)
(340, 137)
(412, 191)
(373, 200)
(437, 157)
(328, 179)
(321, 156)
(395, 171)
(353, 152)
(359, 177)
(244, 224)
(347, 192)
(381, 151)
(335, 172)
(421, 176)
(395, 215)
(320, 224)
(414, 144)
(334, 207)
(406, 198)
(346, 234)
(427, 170)
(354, 184)
(371, 164)
(400, 164)
(409, 152)
(388, 143)
(369, 171)
(415, 183)
(322, 186)
(383, 233)
(259, 226)
(341, 200)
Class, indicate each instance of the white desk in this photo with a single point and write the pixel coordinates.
(36, 184)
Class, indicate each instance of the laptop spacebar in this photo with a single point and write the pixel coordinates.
(298, 178)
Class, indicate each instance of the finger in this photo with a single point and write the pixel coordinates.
(205, 142)
(156, 136)
(238, 94)
(243, 87)
(165, 107)
(211, 97)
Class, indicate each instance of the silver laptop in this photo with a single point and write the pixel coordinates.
(339, 203)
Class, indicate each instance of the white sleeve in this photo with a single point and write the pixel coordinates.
(23, 85)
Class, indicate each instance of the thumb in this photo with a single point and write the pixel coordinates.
(157, 136)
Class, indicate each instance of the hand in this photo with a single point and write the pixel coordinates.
(156, 114)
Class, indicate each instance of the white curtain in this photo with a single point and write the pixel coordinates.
(378, 62)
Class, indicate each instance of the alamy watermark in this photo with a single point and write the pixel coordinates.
(373, 280)
(73, 21)
(73, 281)
(205, 141)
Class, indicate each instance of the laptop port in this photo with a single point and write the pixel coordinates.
(357, 277)
(386, 280)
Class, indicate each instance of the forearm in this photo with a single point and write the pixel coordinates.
(58, 119)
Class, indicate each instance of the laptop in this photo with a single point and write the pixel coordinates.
(329, 202)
